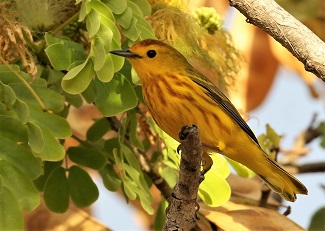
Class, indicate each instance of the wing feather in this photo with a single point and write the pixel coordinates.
(221, 100)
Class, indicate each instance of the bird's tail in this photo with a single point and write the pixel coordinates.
(280, 181)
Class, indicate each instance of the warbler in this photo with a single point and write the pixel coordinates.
(176, 95)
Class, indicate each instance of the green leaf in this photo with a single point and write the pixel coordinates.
(13, 129)
(90, 94)
(93, 22)
(20, 157)
(111, 179)
(20, 186)
(83, 190)
(22, 110)
(106, 73)
(273, 136)
(35, 137)
(317, 222)
(11, 215)
(98, 129)
(48, 167)
(98, 52)
(136, 9)
(241, 169)
(143, 5)
(7, 95)
(132, 32)
(106, 35)
(56, 125)
(170, 175)
(67, 43)
(117, 6)
(134, 138)
(124, 20)
(53, 101)
(116, 96)
(56, 191)
(129, 190)
(78, 78)
(59, 56)
(160, 215)
(89, 157)
(214, 190)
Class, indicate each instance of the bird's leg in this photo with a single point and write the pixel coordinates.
(206, 163)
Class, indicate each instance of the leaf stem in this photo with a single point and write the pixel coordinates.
(27, 85)
(61, 26)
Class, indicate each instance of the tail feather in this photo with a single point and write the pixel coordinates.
(281, 182)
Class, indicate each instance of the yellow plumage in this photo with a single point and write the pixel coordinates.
(177, 95)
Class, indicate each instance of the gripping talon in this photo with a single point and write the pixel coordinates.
(178, 150)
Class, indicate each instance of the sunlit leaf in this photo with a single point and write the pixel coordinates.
(117, 6)
(214, 190)
(78, 78)
(59, 56)
(93, 22)
(115, 96)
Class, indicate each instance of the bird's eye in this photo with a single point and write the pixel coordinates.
(151, 53)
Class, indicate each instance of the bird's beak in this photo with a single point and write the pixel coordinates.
(125, 53)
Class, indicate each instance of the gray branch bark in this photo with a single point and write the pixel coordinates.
(181, 213)
(288, 31)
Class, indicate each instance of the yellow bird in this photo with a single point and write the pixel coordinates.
(176, 95)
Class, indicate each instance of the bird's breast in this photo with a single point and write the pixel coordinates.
(174, 103)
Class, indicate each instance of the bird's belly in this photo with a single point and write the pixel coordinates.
(211, 122)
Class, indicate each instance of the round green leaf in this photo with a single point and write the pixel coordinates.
(11, 215)
(89, 157)
(214, 190)
(48, 167)
(78, 78)
(83, 190)
(115, 96)
(59, 56)
(56, 191)
(20, 185)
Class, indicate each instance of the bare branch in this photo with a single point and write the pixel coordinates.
(181, 213)
(288, 31)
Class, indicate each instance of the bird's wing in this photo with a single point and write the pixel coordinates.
(221, 100)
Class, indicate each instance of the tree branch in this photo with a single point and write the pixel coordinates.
(288, 31)
(181, 213)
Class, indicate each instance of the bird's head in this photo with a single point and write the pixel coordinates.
(151, 57)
